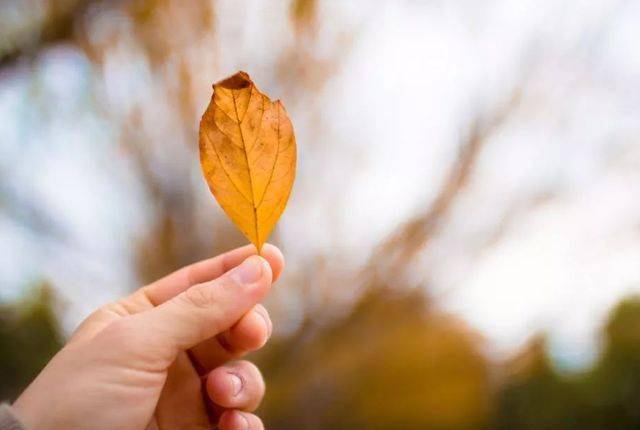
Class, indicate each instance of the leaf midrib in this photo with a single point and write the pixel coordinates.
(246, 159)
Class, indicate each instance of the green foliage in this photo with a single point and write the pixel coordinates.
(613, 387)
(534, 396)
(29, 337)
(606, 397)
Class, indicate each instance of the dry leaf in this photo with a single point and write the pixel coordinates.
(248, 155)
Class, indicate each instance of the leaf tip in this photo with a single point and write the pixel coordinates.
(235, 82)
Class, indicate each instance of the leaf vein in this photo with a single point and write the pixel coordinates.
(206, 135)
(275, 160)
(246, 158)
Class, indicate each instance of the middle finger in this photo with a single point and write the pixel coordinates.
(251, 332)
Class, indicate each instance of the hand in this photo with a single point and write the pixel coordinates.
(144, 362)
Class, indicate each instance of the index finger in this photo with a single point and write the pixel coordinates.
(206, 270)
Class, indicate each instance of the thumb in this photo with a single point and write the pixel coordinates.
(200, 312)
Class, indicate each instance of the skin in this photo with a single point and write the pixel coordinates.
(165, 357)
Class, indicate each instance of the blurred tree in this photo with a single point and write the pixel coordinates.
(29, 337)
(390, 364)
(607, 397)
(534, 396)
(27, 27)
(613, 396)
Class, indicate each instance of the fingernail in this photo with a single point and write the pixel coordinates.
(250, 270)
(236, 383)
(244, 421)
(267, 321)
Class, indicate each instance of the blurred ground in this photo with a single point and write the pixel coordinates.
(464, 222)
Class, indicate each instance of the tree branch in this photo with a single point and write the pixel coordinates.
(394, 253)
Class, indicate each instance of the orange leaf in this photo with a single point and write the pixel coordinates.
(248, 155)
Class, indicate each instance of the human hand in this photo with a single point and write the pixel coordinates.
(161, 358)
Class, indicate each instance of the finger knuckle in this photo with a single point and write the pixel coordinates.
(201, 296)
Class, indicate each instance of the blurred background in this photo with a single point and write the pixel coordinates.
(463, 237)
